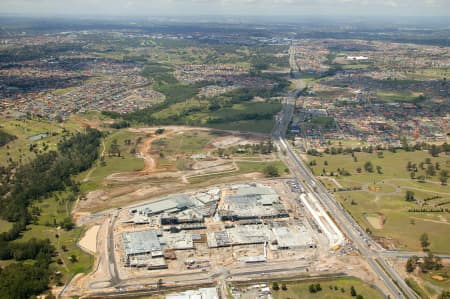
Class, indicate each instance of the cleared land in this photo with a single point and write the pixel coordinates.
(176, 158)
(89, 241)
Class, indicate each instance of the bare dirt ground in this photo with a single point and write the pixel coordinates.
(89, 241)
(125, 188)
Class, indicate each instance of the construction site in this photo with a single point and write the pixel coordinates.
(216, 227)
(231, 232)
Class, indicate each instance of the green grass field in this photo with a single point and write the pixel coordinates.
(247, 167)
(93, 178)
(238, 117)
(23, 129)
(54, 210)
(399, 96)
(244, 168)
(5, 225)
(259, 126)
(189, 142)
(402, 228)
(301, 290)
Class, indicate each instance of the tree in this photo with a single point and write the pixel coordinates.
(318, 287)
(359, 297)
(410, 265)
(412, 175)
(368, 166)
(67, 224)
(379, 169)
(431, 171)
(431, 262)
(312, 288)
(444, 295)
(443, 177)
(114, 148)
(275, 286)
(283, 287)
(73, 258)
(409, 195)
(159, 131)
(271, 171)
(23, 281)
(352, 291)
(434, 151)
(424, 242)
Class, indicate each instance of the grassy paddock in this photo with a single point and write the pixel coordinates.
(400, 227)
(300, 290)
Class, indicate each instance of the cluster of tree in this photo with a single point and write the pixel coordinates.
(430, 210)
(276, 286)
(314, 288)
(49, 172)
(444, 295)
(263, 62)
(409, 196)
(174, 93)
(120, 124)
(263, 148)
(368, 166)
(430, 170)
(114, 149)
(433, 149)
(339, 171)
(6, 138)
(271, 171)
(23, 280)
(428, 263)
(159, 72)
(177, 93)
(314, 152)
(30, 250)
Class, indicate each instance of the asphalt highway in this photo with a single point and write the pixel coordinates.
(368, 249)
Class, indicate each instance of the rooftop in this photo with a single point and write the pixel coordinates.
(141, 242)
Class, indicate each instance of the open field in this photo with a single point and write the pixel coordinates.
(249, 116)
(393, 167)
(5, 225)
(127, 142)
(301, 290)
(24, 130)
(380, 206)
(260, 126)
(399, 96)
(394, 209)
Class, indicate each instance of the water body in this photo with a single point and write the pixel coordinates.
(38, 137)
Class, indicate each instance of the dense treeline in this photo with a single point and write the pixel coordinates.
(33, 249)
(19, 186)
(23, 280)
(5, 138)
(47, 173)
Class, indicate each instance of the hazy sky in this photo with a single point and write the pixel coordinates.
(227, 7)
